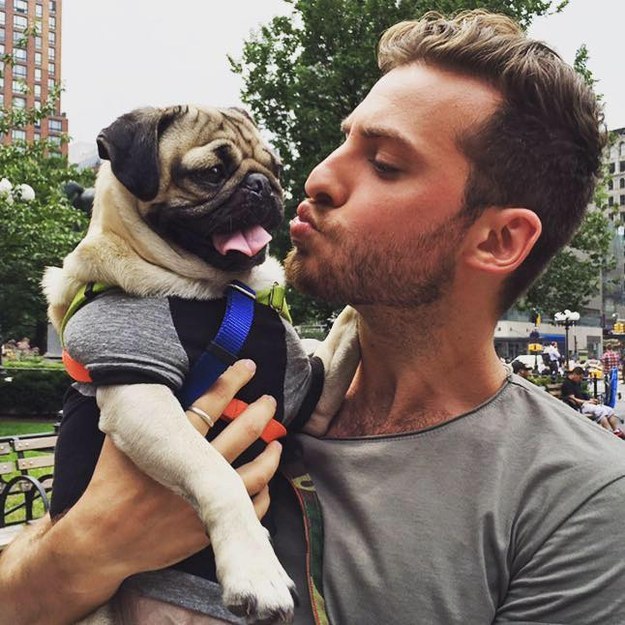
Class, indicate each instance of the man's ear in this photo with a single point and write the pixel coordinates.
(501, 238)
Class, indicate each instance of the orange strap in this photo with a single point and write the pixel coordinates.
(76, 371)
(272, 431)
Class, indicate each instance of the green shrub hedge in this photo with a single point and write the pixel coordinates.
(36, 391)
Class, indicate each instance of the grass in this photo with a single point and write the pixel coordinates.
(12, 426)
(17, 427)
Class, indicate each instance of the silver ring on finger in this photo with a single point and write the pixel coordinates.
(210, 421)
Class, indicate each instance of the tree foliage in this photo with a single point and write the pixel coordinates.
(38, 232)
(305, 72)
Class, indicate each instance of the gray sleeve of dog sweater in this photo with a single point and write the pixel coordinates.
(122, 339)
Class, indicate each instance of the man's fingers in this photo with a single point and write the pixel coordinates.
(261, 502)
(245, 429)
(215, 400)
(257, 473)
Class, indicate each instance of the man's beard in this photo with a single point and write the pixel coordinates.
(410, 274)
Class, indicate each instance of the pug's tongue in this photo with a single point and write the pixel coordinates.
(248, 242)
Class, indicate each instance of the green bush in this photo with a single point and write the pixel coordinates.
(26, 392)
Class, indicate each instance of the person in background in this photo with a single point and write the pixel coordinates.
(554, 359)
(521, 369)
(610, 362)
(574, 395)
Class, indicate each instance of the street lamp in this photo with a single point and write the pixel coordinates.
(566, 319)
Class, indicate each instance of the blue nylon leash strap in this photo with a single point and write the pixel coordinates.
(224, 349)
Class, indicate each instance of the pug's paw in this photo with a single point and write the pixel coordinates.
(255, 586)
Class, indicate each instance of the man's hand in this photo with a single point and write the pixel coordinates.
(126, 523)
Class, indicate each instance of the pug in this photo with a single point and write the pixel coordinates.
(185, 202)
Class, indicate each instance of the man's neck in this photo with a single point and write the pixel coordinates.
(417, 370)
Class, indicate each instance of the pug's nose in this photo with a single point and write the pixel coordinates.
(258, 183)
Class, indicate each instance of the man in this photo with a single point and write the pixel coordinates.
(611, 359)
(447, 498)
(521, 369)
(611, 363)
(553, 358)
(574, 395)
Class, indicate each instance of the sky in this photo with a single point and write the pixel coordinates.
(122, 54)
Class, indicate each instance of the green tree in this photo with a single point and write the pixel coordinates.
(303, 73)
(38, 232)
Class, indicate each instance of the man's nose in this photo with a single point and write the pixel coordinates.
(327, 182)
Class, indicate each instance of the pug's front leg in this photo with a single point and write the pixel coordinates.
(167, 447)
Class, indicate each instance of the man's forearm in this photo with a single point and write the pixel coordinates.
(41, 582)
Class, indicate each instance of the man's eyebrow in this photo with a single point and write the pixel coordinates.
(373, 131)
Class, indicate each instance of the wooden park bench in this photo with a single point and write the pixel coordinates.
(554, 389)
(26, 467)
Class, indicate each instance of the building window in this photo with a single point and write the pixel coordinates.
(51, 38)
(55, 142)
(55, 125)
(18, 38)
(19, 102)
(19, 54)
(39, 10)
(19, 86)
(38, 58)
(621, 166)
(611, 168)
(37, 74)
(51, 69)
(52, 23)
(20, 135)
(37, 91)
(52, 6)
(2, 18)
(20, 6)
(52, 55)
(621, 183)
(610, 201)
(37, 136)
(622, 200)
(610, 184)
(1, 34)
(38, 42)
(51, 84)
(1, 99)
(1, 48)
(19, 70)
(21, 22)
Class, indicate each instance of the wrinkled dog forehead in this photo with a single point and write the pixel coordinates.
(199, 138)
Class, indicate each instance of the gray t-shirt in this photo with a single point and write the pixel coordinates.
(510, 513)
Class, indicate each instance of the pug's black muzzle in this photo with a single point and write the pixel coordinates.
(254, 202)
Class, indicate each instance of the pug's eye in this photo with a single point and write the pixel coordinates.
(215, 174)
(211, 175)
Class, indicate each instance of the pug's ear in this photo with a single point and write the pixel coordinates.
(130, 143)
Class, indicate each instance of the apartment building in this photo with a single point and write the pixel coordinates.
(615, 157)
(27, 82)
